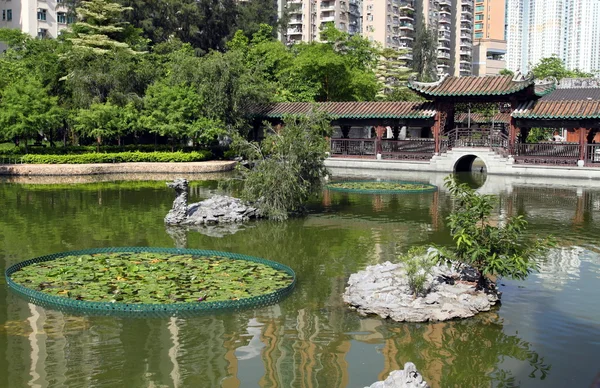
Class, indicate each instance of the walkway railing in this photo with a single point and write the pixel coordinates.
(484, 138)
(547, 153)
(354, 148)
(592, 155)
(410, 149)
(414, 149)
(466, 137)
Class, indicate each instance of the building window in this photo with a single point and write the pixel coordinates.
(42, 33)
(41, 15)
(478, 26)
(61, 18)
(479, 17)
(70, 19)
(9, 15)
(480, 8)
(3, 14)
(478, 35)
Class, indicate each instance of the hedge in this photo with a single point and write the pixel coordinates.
(120, 157)
(12, 150)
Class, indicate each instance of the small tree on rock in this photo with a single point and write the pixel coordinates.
(500, 250)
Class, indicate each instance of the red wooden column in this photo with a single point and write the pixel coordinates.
(436, 132)
(512, 135)
(582, 142)
(512, 128)
(379, 131)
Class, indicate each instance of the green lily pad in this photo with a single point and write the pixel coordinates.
(151, 278)
(381, 187)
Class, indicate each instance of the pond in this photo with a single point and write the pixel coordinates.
(545, 334)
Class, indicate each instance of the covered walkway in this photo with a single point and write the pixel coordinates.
(417, 131)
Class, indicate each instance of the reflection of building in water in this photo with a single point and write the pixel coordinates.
(560, 266)
(307, 349)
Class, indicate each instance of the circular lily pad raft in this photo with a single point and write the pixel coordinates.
(138, 281)
(381, 187)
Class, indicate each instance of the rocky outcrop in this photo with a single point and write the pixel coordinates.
(383, 289)
(218, 209)
(409, 377)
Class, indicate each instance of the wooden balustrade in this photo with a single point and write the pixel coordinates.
(547, 153)
(354, 148)
(416, 149)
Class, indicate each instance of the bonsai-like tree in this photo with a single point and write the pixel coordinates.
(492, 249)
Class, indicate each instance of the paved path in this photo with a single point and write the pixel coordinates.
(115, 168)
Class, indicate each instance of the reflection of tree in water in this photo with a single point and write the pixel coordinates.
(466, 353)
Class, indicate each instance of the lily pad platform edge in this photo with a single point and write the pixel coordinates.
(180, 309)
(429, 188)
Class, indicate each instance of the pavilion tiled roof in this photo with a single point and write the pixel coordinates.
(472, 86)
(573, 94)
(352, 110)
(559, 110)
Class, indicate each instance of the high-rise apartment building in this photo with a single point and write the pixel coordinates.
(452, 22)
(489, 44)
(391, 23)
(546, 30)
(41, 18)
(516, 28)
(307, 17)
(539, 29)
(582, 36)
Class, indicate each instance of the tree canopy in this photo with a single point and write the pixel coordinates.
(554, 67)
(113, 77)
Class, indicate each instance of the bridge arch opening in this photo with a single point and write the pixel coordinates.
(470, 163)
(472, 170)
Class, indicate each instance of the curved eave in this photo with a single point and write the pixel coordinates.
(546, 91)
(492, 86)
(356, 116)
(470, 94)
(554, 117)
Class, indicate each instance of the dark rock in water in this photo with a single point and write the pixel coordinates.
(218, 209)
(409, 377)
(469, 274)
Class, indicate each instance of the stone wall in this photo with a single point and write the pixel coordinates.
(115, 168)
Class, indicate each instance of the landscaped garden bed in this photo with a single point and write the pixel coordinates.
(131, 278)
(381, 187)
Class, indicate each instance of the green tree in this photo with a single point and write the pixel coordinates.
(506, 72)
(554, 67)
(493, 250)
(100, 28)
(425, 54)
(252, 15)
(205, 24)
(288, 165)
(392, 74)
(537, 135)
(26, 109)
(100, 121)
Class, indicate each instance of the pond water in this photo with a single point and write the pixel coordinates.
(545, 334)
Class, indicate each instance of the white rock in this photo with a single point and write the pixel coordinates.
(383, 290)
(409, 377)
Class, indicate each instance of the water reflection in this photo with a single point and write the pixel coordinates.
(310, 339)
(304, 348)
(474, 179)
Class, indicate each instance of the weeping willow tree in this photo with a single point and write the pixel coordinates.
(425, 54)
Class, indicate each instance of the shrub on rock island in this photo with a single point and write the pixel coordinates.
(493, 249)
(287, 166)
